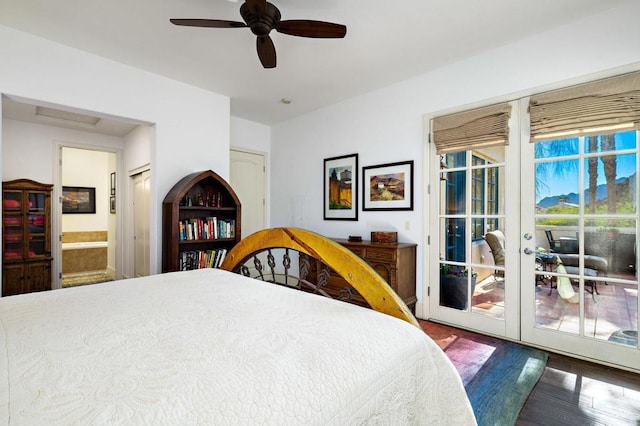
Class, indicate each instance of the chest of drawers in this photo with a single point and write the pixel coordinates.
(395, 262)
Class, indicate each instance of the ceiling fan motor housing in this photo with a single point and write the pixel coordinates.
(260, 24)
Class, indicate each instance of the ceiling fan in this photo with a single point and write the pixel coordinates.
(262, 17)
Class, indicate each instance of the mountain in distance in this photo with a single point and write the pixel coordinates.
(573, 198)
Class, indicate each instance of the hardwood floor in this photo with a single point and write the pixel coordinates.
(571, 391)
(576, 392)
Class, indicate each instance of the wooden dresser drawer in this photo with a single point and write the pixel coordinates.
(378, 254)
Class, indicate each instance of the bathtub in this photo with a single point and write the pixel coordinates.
(84, 256)
(84, 245)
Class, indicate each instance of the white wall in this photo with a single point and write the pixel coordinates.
(250, 135)
(87, 168)
(387, 125)
(192, 125)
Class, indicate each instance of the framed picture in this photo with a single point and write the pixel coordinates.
(113, 183)
(78, 199)
(112, 204)
(341, 188)
(388, 186)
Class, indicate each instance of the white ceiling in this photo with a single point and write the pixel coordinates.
(387, 41)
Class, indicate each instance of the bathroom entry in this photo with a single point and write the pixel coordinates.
(88, 179)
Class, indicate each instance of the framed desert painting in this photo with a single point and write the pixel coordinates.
(388, 186)
(341, 188)
(78, 199)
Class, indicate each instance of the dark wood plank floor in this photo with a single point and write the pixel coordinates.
(571, 391)
(576, 392)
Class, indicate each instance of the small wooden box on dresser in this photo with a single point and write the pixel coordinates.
(26, 237)
(395, 262)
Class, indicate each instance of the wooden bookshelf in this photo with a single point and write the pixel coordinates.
(201, 220)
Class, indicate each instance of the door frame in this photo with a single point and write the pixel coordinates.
(56, 206)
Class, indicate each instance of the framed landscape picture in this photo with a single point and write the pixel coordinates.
(341, 188)
(388, 186)
(77, 199)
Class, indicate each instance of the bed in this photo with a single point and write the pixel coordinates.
(211, 346)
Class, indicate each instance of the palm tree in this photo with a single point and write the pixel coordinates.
(607, 143)
(593, 174)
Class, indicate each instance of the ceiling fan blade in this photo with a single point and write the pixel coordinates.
(266, 51)
(257, 6)
(211, 23)
(312, 29)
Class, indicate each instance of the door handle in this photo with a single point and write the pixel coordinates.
(527, 250)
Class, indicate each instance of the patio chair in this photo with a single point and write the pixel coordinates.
(553, 244)
(495, 240)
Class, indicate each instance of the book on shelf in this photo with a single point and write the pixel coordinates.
(199, 259)
(207, 228)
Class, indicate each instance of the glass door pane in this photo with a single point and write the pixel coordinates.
(36, 231)
(12, 230)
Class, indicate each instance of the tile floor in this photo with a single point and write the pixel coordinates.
(615, 308)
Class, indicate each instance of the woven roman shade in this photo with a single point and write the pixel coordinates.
(586, 109)
(477, 128)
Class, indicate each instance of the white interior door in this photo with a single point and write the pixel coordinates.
(141, 194)
(248, 181)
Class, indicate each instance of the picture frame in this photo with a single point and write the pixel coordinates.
(113, 183)
(388, 186)
(112, 204)
(341, 188)
(78, 200)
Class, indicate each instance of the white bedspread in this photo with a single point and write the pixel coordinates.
(211, 347)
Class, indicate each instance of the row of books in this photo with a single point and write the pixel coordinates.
(207, 228)
(199, 259)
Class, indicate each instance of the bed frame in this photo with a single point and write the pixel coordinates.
(248, 258)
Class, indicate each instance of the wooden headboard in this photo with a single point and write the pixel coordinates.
(254, 251)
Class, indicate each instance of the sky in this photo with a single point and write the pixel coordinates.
(552, 181)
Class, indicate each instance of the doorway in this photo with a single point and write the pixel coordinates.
(87, 236)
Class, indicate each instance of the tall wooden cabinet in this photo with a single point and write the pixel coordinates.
(201, 221)
(26, 236)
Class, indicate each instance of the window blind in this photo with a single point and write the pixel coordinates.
(586, 109)
(478, 128)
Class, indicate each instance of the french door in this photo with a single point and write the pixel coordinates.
(579, 278)
(474, 193)
(563, 275)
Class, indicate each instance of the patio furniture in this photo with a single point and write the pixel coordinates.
(495, 240)
(553, 246)
(562, 244)
(594, 266)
